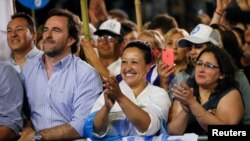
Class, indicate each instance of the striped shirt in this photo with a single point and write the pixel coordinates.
(11, 98)
(66, 97)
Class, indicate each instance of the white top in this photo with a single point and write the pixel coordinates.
(154, 100)
(115, 67)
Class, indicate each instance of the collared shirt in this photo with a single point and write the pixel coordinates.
(66, 97)
(33, 53)
(154, 100)
(11, 98)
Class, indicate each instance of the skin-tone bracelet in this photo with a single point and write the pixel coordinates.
(218, 13)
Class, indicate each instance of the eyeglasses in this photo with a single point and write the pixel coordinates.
(106, 38)
(200, 63)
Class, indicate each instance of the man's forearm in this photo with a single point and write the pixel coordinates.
(62, 132)
(6, 133)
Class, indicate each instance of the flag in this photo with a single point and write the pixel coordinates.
(34, 4)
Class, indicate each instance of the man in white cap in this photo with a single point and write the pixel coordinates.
(200, 38)
(110, 37)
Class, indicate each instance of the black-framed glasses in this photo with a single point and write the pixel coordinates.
(106, 38)
(200, 63)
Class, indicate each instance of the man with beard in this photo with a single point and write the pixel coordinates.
(60, 88)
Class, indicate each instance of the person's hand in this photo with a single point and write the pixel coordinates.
(183, 93)
(221, 5)
(164, 71)
(109, 102)
(28, 134)
(97, 12)
(111, 87)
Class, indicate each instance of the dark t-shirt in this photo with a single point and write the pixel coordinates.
(211, 106)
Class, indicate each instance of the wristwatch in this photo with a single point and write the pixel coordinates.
(38, 136)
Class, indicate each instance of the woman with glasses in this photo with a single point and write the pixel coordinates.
(214, 99)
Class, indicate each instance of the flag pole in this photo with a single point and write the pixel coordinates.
(138, 15)
(85, 18)
(14, 6)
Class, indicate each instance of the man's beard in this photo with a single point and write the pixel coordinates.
(55, 50)
(53, 53)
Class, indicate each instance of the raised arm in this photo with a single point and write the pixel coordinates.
(93, 59)
(221, 6)
(97, 12)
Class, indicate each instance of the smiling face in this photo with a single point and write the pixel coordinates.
(133, 68)
(19, 36)
(207, 72)
(56, 40)
(108, 47)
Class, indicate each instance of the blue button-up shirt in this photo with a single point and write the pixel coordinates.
(11, 98)
(33, 53)
(66, 97)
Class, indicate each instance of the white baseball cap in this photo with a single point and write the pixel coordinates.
(110, 26)
(199, 35)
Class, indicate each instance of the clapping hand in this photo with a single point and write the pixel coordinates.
(111, 90)
(183, 93)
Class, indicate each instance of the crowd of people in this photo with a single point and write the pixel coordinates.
(115, 85)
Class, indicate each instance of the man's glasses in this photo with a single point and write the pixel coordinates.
(106, 38)
(200, 63)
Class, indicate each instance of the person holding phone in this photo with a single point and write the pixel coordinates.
(174, 58)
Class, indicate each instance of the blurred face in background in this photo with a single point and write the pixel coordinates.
(131, 36)
(155, 49)
(179, 52)
(195, 50)
(107, 46)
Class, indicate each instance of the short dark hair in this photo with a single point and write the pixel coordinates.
(164, 22)
(27, 18)
(128, 26)
(74, 25)
(144, 47)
